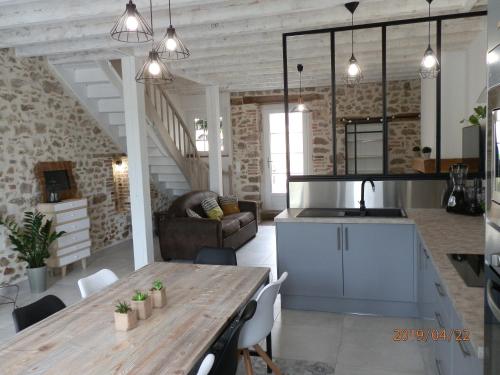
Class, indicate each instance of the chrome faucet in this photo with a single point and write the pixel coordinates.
(362, 205)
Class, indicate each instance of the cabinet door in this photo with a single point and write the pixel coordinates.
(379, 262)
(311, 253)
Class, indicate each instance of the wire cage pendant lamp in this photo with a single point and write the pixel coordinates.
(171, 46)
(154, 70)
(131, 27)
(301, 106)
(429, 67)
(354, 74)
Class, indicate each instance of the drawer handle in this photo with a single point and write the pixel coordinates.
(462, 346)
(425, 253)
(339, 240)
(440, 290)
(438, 367)
(439, 320)
(346, 239)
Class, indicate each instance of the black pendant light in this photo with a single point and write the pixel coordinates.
(429, 67)
(301, 106)
(131, 27)
(171, 46)
(354, 74)
(154, 70)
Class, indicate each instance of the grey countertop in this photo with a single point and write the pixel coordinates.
(442, 233)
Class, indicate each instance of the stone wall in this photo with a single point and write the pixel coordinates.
(39, 121)
(364, 100)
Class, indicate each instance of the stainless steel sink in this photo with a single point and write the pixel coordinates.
(353, 212)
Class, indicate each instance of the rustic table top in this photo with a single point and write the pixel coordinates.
(81, 339)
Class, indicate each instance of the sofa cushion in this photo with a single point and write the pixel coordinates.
(230, 226)
(212, 209)
(243, 218)
(190, 200)
(192, 213)
(229, 205)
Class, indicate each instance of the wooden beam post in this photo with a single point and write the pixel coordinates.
(138, 166)
(214, 155)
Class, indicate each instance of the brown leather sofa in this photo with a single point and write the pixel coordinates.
(181, 236)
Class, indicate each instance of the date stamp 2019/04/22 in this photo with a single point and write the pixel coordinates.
(430, 334)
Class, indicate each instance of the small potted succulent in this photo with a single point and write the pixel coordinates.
(426, 152)
(125, 317)
(158, 294)
(416, 151)
(142, 304)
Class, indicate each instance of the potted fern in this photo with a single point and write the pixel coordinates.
(125, 317)
(141, 302)
(158, 294)
(32, 241)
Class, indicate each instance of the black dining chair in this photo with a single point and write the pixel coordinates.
(37, 311)
(226, 348)
(223, 256)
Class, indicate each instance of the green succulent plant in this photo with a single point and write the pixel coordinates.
(139, 296)
(122, 307)
(157, 285)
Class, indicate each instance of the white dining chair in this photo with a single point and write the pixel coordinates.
(96, 282)
(206, 365)
(257, 328)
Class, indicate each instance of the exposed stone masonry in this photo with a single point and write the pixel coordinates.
(40, 122)
(364, 100)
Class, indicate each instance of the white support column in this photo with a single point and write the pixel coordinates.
(214, 154)
(138, 166)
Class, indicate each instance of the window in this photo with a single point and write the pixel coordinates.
(201, 134)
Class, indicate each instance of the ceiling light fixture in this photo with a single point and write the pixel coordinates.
(354, 74)
(301, 106)
(171, 46)
(131, 27)
(154, 70)
(429, 67)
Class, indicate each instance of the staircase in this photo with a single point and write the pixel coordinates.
(175, 166)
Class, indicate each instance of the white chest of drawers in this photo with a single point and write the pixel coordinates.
(70, 216)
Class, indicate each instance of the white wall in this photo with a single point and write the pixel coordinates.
(194, 106)
(463, 79)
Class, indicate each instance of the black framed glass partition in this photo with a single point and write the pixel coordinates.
(392, 99)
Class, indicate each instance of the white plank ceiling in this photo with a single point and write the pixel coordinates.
(237, 43)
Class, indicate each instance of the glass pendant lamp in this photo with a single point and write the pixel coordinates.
(429, 67)
(354, 74)
(301, 106)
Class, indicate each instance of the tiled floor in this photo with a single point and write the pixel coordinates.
(355, 345)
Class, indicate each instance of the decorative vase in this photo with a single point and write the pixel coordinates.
(144, 308)
(38, 279)
(159, 298)
(125, 322)
(426, 156)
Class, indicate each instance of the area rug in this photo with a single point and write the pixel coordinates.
(290, 367)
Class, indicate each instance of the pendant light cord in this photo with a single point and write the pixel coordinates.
(300, 85)
(429, 23)
(152, 26)
(169, 13)
(352, 33)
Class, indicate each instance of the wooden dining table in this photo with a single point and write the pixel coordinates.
(81, 339)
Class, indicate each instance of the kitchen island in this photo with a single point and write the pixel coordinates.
(401, 262)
